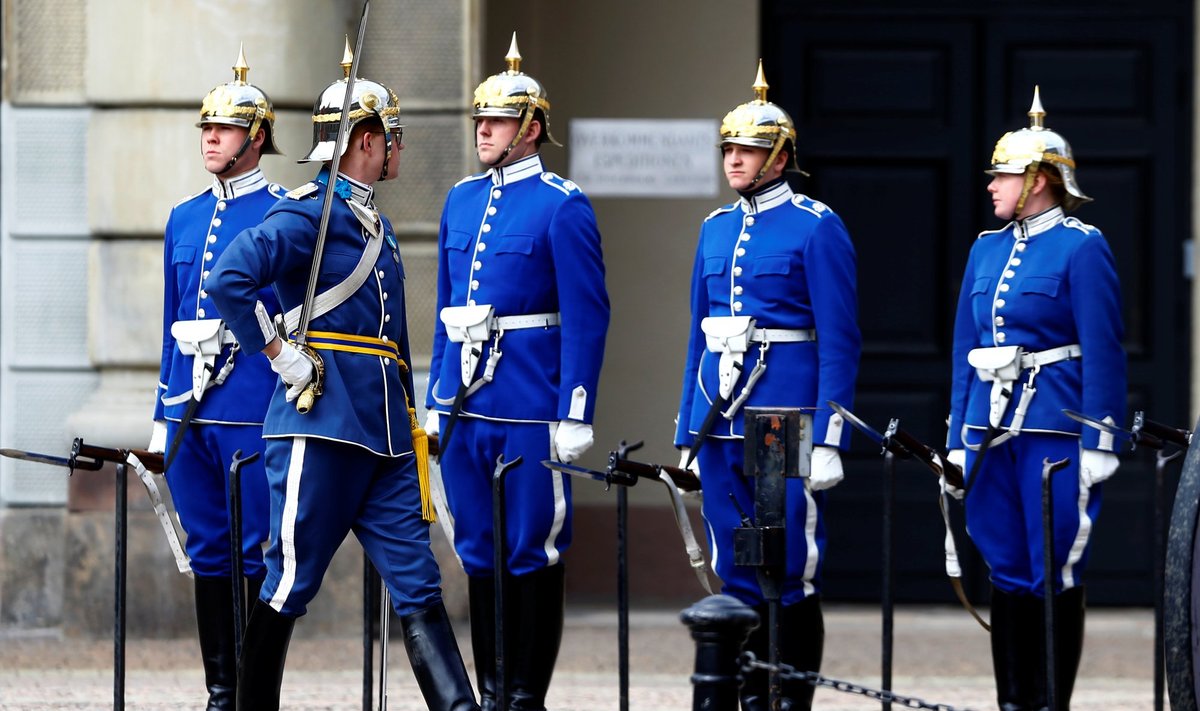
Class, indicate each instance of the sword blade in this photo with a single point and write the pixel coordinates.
(1098, 424)
(857, 422)
(188, 414)
(36, 457)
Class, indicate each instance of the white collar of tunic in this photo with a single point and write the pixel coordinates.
(238, 186)
(767, 199)
(1039, 223)
(527, 167)
(360, 193)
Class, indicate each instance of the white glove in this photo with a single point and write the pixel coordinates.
(1096, 466)
(571, 439)
(294, 368)
(826, 468)
(433, 424)
(158, 437)
(958, 457)
(694, 467)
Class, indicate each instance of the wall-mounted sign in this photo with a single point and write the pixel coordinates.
(648, 158)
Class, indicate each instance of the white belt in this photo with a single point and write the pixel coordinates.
(514, 323)
(1050, 355)
(996, 365)
(470, 326)
(783, 335)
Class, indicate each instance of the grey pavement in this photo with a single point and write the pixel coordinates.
(941, 656)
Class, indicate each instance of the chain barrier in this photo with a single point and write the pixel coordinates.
(748, 662)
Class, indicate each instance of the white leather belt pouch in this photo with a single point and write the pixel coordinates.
(470, 326)
(729, 336)
(202, 339)
(1000, 366)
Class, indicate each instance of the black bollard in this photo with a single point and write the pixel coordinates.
(720, 625)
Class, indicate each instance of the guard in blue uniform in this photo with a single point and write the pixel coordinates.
(523, 314)
(1039, 312)
(774, 323)
(347, 462)
(205, 371)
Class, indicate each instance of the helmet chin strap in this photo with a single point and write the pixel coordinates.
(387, 149)
(259, 113)
(1026, 188)
(526, 119)
(775, 149)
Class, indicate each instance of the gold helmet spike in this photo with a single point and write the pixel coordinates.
(761, 124)
(1021, 152)
(1037, 115)
(240, 68)
(239, 103)
(514, 56)
(347, 59)
(760, 84)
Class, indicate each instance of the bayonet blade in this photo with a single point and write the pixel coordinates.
(856, 422)
(36, 457)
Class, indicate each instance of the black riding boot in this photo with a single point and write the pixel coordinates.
(1068, 647)
(214, 621)
(1015, 650)
(482, 593)
(801, 645)
(436, 661)
(264, 650)
(533, 635)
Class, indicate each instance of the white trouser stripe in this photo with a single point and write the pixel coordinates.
(287, 527)
(1081, 539)
(560, 508)
(810, 539)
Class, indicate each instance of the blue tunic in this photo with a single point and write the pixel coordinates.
(198, 232)
(786, 260)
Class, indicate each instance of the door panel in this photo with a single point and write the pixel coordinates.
(897, 112)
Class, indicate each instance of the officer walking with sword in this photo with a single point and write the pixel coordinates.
(344, 459)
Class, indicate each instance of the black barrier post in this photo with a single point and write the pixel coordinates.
(623, 596)
(121, 552)
(235, 546)
(1048, 576)
(889, 611)
(500, 568)
(719, 624)
(370, 585)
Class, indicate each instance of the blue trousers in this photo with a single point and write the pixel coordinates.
(320, 491)
(538, 500)
(1004, 511)
(199, 483)
(721, 475)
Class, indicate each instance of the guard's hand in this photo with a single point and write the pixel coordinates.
(294, 368)
(158, 437)
(958, 457)
(433, 423)
(945, 486)
(694, 467)
(1096, 466)
(571, 439)
(826, 468)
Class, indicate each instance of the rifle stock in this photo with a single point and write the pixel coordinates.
(90, 456)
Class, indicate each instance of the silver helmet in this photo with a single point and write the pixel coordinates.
(761, 124)
(1023, 151)
(238, 103)
(513, 94)
(370, 99)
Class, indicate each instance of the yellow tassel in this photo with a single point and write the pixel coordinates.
(421, 450)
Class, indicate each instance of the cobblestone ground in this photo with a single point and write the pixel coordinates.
(940, 656)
